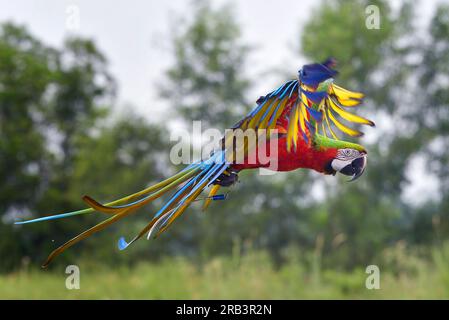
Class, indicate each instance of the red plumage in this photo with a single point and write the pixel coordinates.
(306, 155)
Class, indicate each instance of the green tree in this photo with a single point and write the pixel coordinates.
(54, 148)
(206, 81)
(25, 75)
(81, 88)
(432, 113)
(123, 157)
(368, 214)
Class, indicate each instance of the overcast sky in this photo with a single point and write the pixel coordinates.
(132, 34)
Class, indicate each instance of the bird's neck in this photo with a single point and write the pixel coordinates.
(314, 156)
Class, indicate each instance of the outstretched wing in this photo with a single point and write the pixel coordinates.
(259, 121)
(270, 107)
(333, 106)
(312, 104)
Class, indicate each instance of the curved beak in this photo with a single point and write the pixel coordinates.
(355, 168)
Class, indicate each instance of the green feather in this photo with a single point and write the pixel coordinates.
(325, 142)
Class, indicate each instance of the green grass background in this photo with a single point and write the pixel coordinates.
(248, 277)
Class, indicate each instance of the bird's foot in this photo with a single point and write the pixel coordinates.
(227, 178)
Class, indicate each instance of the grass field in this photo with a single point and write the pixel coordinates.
(251, 277)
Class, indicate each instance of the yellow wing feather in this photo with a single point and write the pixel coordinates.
(345, 93)
(301, 117)
(342, 127)
(347, 115)
(337, 99)
(329, 126)
(292, 131)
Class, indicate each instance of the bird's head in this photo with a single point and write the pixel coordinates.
(345, 157)
(348, 161)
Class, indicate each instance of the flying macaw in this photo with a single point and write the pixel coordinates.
(301, 115)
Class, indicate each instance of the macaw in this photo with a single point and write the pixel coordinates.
(300, 116)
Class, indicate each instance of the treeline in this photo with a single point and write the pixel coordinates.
(60, 139)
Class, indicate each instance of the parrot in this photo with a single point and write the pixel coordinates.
(300, 117)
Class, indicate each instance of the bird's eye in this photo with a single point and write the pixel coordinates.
(347, 154)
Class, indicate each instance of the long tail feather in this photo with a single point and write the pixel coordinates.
(85, 234)
(213, 192)
(141, 202)
(190, 183)
(215, 171)
(121, 213)
(116, 202)
(181, 209)
(168, 209)
(122, 244)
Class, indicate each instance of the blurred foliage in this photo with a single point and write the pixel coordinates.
(54, 146)
(206, 81)
(59, 141)
(254, 274)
